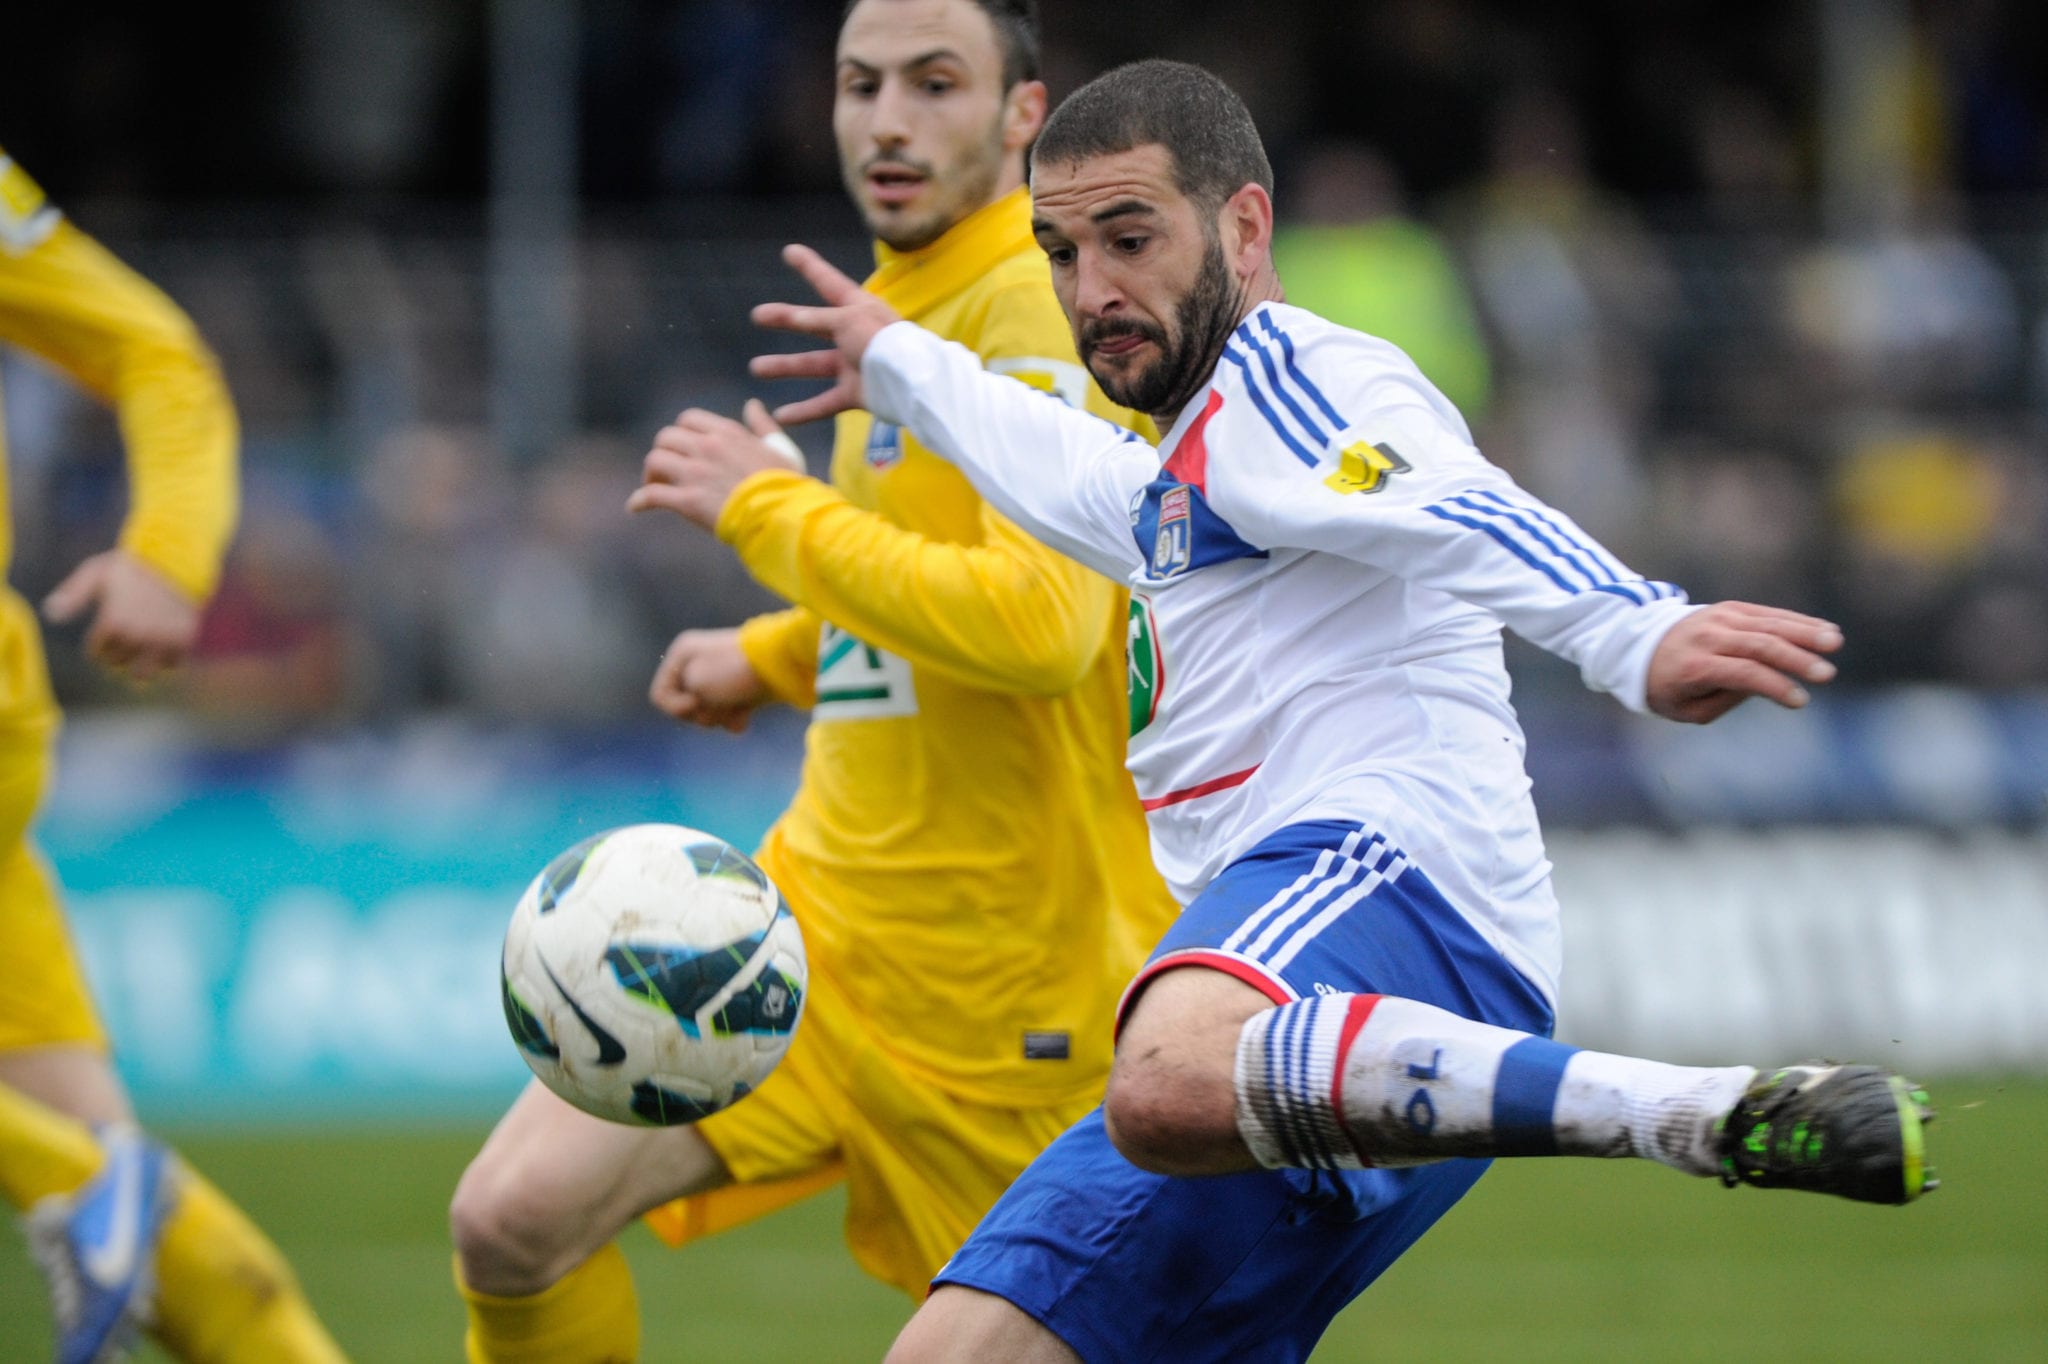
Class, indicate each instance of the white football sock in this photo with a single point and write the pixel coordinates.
(1350, 1081)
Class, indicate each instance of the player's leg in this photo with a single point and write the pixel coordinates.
(536, 1213)
(210, 1284)
(1218, 1075)
(534, 1217)
(1122, 1263)
(1370, 1080)
(553, 1184)
(44, 1150)
(1211, 1078)
(55, 1088)
(70, 1077)
(1088, 1256)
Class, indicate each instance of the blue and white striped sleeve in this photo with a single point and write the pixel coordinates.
(1376, 466)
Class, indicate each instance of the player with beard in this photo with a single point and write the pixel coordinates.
(964, 852)
(1354, 1009)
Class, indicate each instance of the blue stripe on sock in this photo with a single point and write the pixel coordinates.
(1275, 1087)
(1525, 1096)
(1299, 1029)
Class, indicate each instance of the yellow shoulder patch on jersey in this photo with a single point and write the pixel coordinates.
(1363, 468)
(27, 217)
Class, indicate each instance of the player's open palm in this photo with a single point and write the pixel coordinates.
(849, 319)
(705, 679)
(1721, 655)
(142, 624)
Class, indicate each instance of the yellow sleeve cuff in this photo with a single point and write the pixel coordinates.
(194, 569)
(755, 499)
(782, 648)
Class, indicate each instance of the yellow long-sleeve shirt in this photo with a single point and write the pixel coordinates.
(965, 851)
(69, 300)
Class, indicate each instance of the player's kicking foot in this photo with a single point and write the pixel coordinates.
(1856, 1131)
(97, 1246)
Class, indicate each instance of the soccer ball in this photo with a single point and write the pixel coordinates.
(652, 975)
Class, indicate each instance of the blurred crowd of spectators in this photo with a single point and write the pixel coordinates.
(1599, 229)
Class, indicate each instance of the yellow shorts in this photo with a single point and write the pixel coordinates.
(43, 999)
(921, 1166)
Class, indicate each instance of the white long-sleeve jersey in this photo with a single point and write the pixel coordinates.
(1319, 567)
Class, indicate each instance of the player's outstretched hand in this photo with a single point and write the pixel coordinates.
(698, 460)
(849, 320)
(705, 679)
(142, 624)
(1721, 655)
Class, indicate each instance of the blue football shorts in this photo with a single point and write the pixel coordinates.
(1250, 1268)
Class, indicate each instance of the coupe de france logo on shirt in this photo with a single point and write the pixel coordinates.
(1146, 662)
(857, 681)
(1172, 543)
(1365, 468)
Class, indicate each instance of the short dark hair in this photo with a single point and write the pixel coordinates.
(1203, 125)
(1016, 25)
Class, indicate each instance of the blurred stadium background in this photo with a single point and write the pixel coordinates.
(1758, 290)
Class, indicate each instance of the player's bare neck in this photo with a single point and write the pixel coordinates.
(1261, 288)
(1012, 177)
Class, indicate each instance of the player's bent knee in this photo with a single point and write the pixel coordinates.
(1143, 1125)
(510, 1243)
(1171, 1104)
(1167, 1120)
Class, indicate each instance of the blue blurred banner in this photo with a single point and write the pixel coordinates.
(315, 931)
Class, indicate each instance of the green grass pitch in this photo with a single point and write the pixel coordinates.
(1546, 1260)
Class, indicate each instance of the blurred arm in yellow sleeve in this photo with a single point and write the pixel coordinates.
(1007, 615)
(67, 299)
(782, 648)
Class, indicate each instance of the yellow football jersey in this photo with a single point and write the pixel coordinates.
(66, 298)
(965, 852)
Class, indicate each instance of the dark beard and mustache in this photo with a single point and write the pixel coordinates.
(1203, 321)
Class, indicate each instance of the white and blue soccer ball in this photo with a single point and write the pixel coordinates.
(653, 975)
